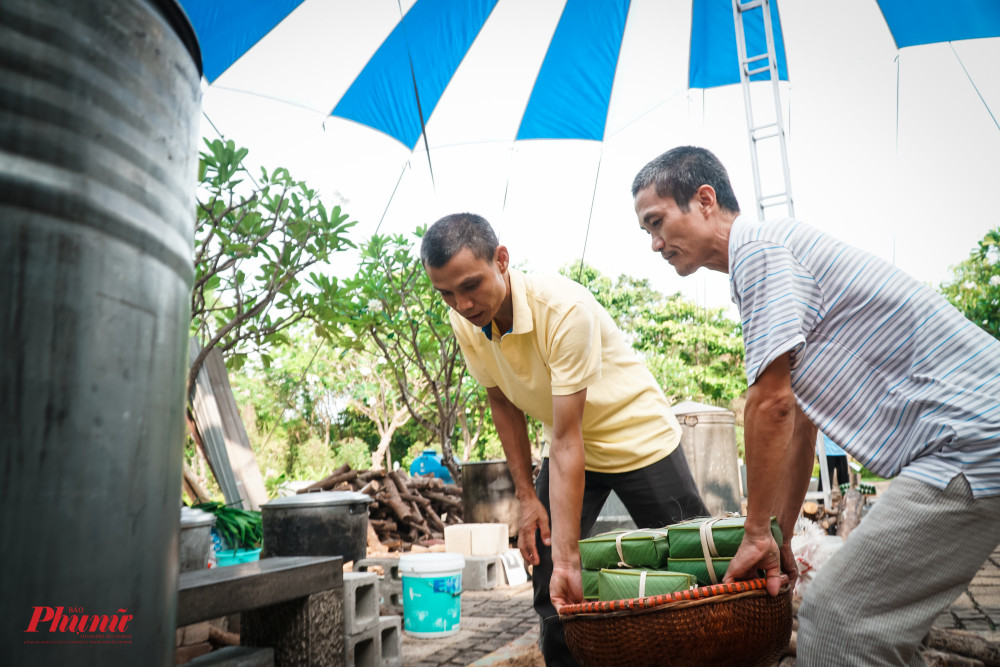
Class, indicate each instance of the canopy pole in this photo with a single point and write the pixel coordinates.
(392, 196)
(416, 95)
(506, 188)
(590, 216)
(974, 86)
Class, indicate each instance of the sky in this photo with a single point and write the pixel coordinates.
(894, 151)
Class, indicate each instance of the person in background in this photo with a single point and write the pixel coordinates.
(543, 346)
(840, 339)
(836, 464)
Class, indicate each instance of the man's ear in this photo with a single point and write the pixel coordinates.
(502, 258)
(706, 198)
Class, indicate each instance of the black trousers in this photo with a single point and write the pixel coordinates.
(660, 494)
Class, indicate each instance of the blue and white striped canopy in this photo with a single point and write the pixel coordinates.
(399, 88)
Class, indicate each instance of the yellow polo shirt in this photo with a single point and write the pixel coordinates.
(563, 341)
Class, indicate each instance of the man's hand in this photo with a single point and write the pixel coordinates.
(533, 516)
(757, 553)
(566, 585)
(789, 565)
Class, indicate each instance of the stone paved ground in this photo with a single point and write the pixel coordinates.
(490, 620)
(978, 608)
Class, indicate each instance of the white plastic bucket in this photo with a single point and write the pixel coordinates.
(432, 593)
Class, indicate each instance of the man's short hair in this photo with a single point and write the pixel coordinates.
(446, 238)
(679, 173)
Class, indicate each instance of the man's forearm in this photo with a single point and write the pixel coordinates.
(800, 457)
(513, 431)
(566, 482)
(769, 427)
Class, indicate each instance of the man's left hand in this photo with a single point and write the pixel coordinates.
(757, 553)
(565, 586)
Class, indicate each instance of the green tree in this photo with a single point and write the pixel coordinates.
(252, 242)
(694, 353)
(975, 287)
(394, 305)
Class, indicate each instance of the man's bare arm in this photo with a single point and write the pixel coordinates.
(566, 482)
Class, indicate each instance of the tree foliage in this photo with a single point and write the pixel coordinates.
(693, 352)
(394, 305)
(253, 241)
(975, 287)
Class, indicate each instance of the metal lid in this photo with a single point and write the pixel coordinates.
(320, 499)
(192, 518)
(693, 407)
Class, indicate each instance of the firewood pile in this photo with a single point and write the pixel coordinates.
(405, 511)
(843, 515)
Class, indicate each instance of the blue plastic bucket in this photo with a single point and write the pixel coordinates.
(432, 593)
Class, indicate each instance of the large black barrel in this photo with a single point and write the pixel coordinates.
(99, 113)
(488, 494)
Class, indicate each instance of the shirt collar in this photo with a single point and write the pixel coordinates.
(523, 320)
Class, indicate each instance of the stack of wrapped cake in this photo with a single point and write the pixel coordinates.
(627, 564)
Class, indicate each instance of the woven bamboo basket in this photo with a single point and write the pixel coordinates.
(724, 624)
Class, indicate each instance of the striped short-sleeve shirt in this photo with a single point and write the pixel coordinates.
(880, 362)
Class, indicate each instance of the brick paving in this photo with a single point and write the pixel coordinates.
(490, 620)
(978, 608)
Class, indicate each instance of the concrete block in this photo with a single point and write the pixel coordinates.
(237, 656)
(390, 629)
(360, 602)
(391, 601)
(364, 648)
(480, 573)
(476, 539)
(388, 566)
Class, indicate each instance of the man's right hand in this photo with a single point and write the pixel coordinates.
(533, 517)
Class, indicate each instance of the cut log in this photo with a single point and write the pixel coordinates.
(966, 644)
(810, 509)
(341, 474)
(850, 512)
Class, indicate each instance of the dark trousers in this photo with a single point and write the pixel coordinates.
(660, 494)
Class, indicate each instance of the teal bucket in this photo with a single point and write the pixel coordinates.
(432, 593)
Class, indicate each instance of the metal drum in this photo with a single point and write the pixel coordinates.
(488, 494)
(328, 523)
(99, 116)
(196, 538)
(708, 435)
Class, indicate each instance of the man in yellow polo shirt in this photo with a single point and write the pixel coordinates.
(543, 346)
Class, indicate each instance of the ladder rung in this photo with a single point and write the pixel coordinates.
(779, 198)
(751, 72)
(753, 4)
(758, 135)
(755, 59)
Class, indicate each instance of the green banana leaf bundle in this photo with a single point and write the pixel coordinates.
(727, 533)
(698, 568)
(590, 584)
(627, 584)
(645, 548)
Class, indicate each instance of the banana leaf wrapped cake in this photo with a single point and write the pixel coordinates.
(633, 583)
(643, 548)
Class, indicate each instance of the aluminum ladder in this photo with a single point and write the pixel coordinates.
(749, 66)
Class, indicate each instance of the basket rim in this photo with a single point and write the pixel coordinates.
(697, 595)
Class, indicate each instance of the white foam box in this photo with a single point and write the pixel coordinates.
(476, 539)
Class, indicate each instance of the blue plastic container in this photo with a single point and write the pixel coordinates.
(432, 593)
(236, 556)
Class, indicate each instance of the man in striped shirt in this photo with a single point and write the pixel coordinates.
(840, 340)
